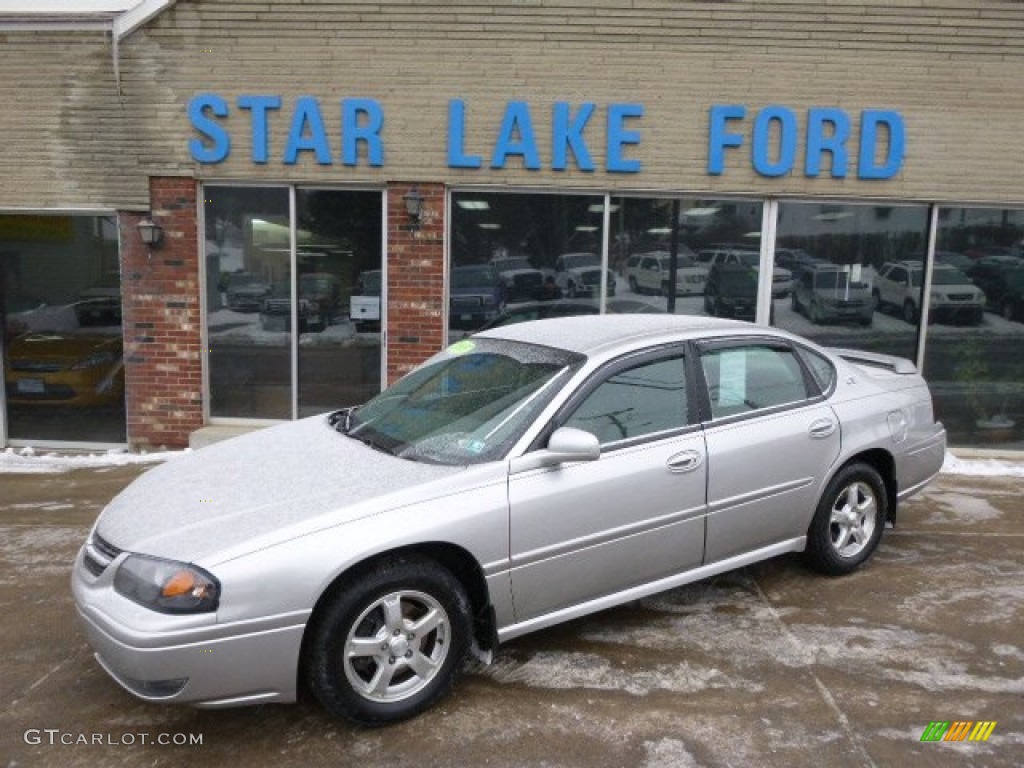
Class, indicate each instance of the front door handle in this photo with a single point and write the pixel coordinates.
(687, 461)
(821, 428)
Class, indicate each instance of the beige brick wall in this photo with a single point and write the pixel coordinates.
(952, 68)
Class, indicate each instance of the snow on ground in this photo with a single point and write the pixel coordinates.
(29, 461)
(982, 467)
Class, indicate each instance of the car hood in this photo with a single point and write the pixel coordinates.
(61, 348)
(262, 484)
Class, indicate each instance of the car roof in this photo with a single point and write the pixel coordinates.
(591, 334)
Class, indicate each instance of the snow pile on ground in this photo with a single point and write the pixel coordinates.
(982, 467)
(28, 460)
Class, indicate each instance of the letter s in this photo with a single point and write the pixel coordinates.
(216, 143)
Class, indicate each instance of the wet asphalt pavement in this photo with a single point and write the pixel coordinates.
(771, 665)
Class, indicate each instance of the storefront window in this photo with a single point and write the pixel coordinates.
(60, 329)
(974, 358)
(255, 307)
(339, 293)
(248, 272)
(517, 257)
(855, 274)
(713, 246)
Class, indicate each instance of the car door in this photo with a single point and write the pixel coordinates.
(584, 530)
(771, 440)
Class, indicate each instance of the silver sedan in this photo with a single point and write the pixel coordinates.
(522, 477)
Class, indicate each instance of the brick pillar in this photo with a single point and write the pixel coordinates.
(415, 269)
(163, 361)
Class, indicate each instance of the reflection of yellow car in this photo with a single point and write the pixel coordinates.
(77, 369)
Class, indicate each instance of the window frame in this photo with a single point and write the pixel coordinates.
(607, 370)
(814, 394)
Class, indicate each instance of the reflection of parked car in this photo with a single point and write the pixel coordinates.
(731, 291)
(476, 296)
(65, 368)
(795, 259)
(649, 273)
(543, 310)
(782, 279)
(1002, 280)
(953, 296)
(364, 305)
(526, 476)
(825, 293)
(579, 274)
(246, 291)
(319, 299)
(521, 280)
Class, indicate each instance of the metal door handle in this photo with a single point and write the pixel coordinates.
(687, 461)
(822, 428)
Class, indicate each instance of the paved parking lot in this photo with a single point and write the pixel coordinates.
(769, 666)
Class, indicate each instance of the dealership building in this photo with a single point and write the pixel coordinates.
(219, 214)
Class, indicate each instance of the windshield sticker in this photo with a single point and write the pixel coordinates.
(461, 347)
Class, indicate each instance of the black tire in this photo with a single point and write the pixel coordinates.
(664, 289)
(571, 290)
(633, 285)
(814, 314)
(793, 302)
(877, 298)
(356, 615)
(709, 306)
(909, 312)
(1009, 310)
(833, 549)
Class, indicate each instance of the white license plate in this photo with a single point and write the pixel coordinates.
(31, 386)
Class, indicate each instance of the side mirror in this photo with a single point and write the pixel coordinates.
(565, 444)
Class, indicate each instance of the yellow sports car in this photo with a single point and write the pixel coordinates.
(65, 368)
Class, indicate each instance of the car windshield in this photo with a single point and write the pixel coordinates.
(466, 405)
(507, 264)
(243, 280)
(466, 277)
(748, 258)
(837, 280)
(947, 276)
(577, 260)
(741, 282)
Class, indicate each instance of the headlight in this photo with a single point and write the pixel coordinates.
(167, 586)
(95, 359)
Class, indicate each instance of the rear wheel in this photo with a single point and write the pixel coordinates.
(848, 523)
(390, 643)
(633, 285)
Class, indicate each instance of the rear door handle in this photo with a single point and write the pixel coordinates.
(821, 428)
(687, 461)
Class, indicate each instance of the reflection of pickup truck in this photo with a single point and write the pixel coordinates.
(246, 291)
(319, 297)
(579, 274)
(781, 278)
(364, 306)
(520, 280)
(731, 291)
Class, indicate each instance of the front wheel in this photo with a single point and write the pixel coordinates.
(1009, 310)
(390, 643)
(909, 312)
(848, 523)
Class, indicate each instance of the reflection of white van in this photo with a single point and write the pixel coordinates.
(364, 305)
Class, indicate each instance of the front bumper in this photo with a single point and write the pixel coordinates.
(187, 659)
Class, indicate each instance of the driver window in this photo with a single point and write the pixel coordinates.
(638, 401)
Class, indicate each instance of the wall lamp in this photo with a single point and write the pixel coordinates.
(414, 206)
(150, 232)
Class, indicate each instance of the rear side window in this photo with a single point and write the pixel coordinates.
(638, 401)
(742, 379)
(821, 368)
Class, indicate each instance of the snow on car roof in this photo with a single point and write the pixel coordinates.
(591, 333)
